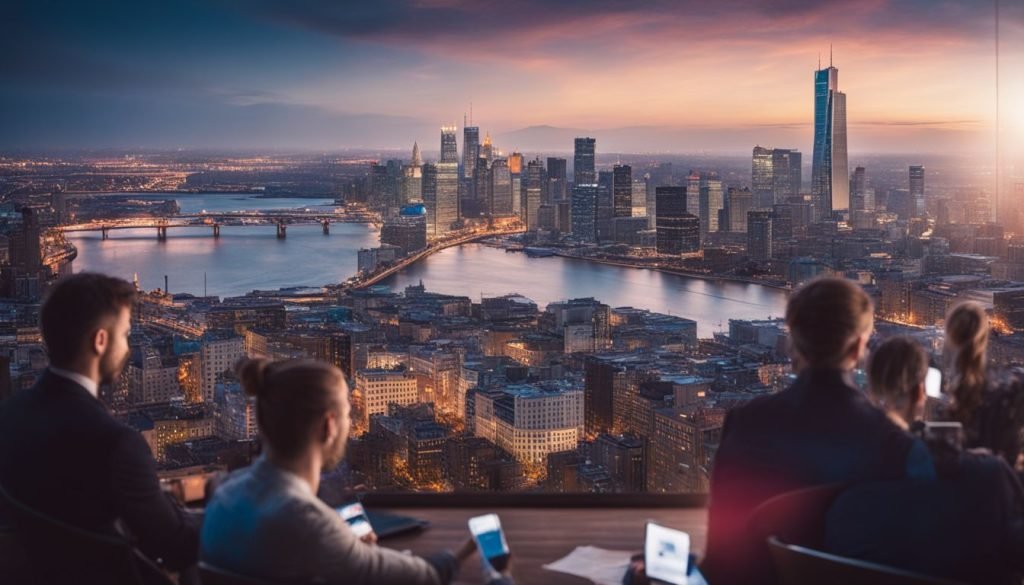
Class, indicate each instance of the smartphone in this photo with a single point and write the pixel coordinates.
(355, 516)
(490, 540)
(666, 554)
(933, 383)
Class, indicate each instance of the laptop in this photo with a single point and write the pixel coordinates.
(388, 525)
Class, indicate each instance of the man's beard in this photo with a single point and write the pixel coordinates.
(334, 457)
(110, 371)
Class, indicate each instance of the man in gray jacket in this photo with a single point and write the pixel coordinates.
(266, 522)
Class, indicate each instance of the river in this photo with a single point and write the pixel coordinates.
(251, 257)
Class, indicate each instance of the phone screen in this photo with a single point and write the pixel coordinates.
(933, 383)
(355, 517)
(490, 539)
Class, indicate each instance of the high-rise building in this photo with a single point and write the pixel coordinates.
(557, 180)
(412, 178)
(515, 163)
(711, 202)
(216, 356)
(470, 150)
(533, 193)
(428, 190)
(501, 188)
(775, 176)
(584, 212)
(738, 203)
(447, 197)
(605, 208)
(481, 187)
(917, 189)
(622, 191)
(830, 183)
(408, 230)
(678, 232)
(449, 144)
(693, 193)
(759, 235)
(487, 149)
(858, 184)
(583, 163)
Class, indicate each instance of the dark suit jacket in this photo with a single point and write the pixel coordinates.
(64, 455)
(965, 526)
(820, 430)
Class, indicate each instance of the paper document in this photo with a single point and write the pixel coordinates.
(604, 567)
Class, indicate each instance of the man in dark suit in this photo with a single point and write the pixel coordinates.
(63, 454)
(820, 430)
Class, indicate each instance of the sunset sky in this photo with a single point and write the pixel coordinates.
(678, 76)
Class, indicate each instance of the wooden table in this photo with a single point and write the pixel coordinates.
(541, 535)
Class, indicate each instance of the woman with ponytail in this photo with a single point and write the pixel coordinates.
(991, 410)
(266, 522)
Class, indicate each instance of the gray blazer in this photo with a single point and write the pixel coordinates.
(265, 522)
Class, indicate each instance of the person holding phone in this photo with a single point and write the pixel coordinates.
(967, 525)
(266, 522)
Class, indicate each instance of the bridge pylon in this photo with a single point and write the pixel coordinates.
(282, 230)
(216, 230)
(327, 226)
(105, 232)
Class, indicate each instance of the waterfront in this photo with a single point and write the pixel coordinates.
(247, 258)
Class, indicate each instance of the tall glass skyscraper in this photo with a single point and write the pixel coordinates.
(830, 173)
(449, 145)
(917, 189)
(583, 162)
(470, 150)
(447, 191)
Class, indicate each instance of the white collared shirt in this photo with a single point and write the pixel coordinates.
(83, 381)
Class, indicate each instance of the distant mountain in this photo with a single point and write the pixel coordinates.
(540, 138)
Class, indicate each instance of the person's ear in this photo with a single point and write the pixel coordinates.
(331, 428)
(100, 341)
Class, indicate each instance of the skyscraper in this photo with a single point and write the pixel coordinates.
(677, 232)
(858, 183)
(533, 192)
(412, 177)
(622, 191)
(583, 162)
(449, 145)
(605, 208)
(556, 180)
(830, 174)
(917, 189)
(447, 193)
(470, 150)
(429, 194)
(710, 202)
(584, 212)
(759, 235)
(738, 203)
(501, 188)
(775, 176)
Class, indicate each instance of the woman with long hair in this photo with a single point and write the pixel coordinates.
(991, 410)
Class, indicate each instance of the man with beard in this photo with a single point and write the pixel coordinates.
(265, 521)
(63, 455)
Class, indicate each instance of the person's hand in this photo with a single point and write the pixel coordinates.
(369, 538)
(636, 573)
(466, 550)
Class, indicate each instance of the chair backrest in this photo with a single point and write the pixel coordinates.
(211, 575)
(797, 565)
(796, 517)
(59, 552)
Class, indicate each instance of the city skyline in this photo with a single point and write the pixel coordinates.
(308, 76)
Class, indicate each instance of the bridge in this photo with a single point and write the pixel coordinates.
(456, 239)
(214, 221)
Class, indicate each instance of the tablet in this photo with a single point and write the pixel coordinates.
(666, 554)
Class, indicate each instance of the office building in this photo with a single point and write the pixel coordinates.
(759, 235)
(584, 212)
(830, 174)
(530, 420)
(917, 190)
(677, 231)
(557, 180)
(532, 193)
(470, 150)
(737, 203)
(377, 389)
(775, 176)
(711, 203)
(622, 191)
(583, 170)
(501, 189)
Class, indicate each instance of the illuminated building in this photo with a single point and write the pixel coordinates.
(533, 193)
(622, 191)
(583, 170)
(917, 190)
(775, 176)
(501, 189)
(759, 235)
(379, 388)
(530, 421)
(584, 212)
(830, 174)
(678, 232)
(216, 356)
